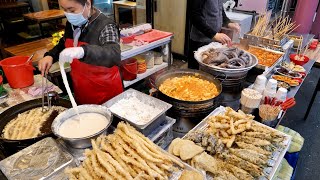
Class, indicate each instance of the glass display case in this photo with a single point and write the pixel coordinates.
(105, 6)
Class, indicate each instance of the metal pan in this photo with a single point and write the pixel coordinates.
(187, 72)
(11, 146)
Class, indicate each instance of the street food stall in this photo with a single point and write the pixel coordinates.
(131, 136)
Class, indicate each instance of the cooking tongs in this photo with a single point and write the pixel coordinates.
(44, 88)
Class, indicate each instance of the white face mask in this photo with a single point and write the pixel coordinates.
(77, 19)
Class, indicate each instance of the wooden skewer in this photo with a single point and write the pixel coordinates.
(293, 29)
(300, 46)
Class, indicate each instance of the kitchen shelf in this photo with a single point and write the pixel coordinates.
(149, 72)
(136, 50)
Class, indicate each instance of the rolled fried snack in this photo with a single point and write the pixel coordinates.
(126, 154)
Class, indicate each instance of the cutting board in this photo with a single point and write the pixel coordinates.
(153, 35)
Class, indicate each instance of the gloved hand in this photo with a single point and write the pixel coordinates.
(235, 26)
(68, 54)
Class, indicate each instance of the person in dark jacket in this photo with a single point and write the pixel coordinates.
(207, 19)
(91, 45)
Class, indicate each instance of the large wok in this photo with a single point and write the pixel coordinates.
(11, 146)
(190, 109)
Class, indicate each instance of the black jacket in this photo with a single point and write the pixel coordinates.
(207, 18)
(102, 36)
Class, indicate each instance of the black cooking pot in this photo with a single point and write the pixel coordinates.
(190, 109)
(10, 147)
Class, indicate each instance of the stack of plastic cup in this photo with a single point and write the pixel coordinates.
(282, 94)
(260, 84)
(271, 88)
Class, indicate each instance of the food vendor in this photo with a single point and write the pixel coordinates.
(207, 19)
(91, 45)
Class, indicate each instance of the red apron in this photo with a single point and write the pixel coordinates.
(93, 84)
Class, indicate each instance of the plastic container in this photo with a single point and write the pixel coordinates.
(19, 73)
(149, 56)
(129, 69)
(267, 93)
(128, 39)
(260, 84)
(272, 86)
(163, 135)
(158, 58)
(261, 80)
(142, 65)
(297, 62)
(282, 94)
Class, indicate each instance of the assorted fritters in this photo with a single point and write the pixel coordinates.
(28, 125)
(239, 152)
(125, 154)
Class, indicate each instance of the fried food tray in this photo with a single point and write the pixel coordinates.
(152, 123)
(267, 69)
(42, 160)
(78, 153)
(277, 155)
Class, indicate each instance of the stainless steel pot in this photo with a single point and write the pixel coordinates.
(83, 142)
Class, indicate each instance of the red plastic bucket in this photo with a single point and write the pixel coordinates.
(129, 69)
(19, 73)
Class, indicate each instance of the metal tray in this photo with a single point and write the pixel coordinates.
(78, 154)
(42, 160)
(163, 135)
(277, 155)
(256, 40)
(265, 68)
(145, 99)
(175, 175)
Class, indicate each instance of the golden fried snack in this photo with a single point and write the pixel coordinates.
(28, 125)
(172, 145)
(88, 165)
(290, 81)
(126, 154)
(238, 172)
(186, 175)
(106, 147)
(189, 88)
(105, 158)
